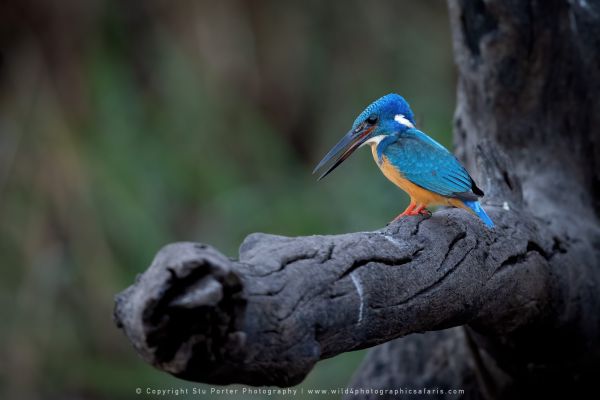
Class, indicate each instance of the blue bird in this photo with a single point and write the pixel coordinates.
(416, 163)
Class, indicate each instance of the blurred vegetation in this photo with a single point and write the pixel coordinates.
(125, 125)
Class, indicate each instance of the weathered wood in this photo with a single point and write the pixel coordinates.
(288, 302)
(528, 291)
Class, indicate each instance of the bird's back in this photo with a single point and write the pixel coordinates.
(429, 165)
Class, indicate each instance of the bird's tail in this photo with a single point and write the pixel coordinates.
(480, 212)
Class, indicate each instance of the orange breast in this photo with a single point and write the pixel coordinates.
(417, 194)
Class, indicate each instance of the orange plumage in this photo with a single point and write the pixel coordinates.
(420, 198)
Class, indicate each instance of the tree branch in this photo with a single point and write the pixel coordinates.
(289, 302)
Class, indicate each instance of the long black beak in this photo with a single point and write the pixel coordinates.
(342, 150)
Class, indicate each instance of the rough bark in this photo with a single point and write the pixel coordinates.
(527, 291)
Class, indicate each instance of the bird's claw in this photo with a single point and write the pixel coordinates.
(423, 212)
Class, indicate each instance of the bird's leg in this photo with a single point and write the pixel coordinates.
(408, 211)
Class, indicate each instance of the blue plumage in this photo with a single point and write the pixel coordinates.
(477, 209)
(390, 105)
(426, 163)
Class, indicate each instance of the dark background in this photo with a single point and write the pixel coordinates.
(125, 125)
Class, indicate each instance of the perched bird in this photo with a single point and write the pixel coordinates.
(416, 163)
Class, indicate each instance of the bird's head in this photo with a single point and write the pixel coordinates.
(388, 115)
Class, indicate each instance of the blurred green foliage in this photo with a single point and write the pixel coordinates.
(128, 125)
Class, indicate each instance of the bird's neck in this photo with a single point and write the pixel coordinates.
(378, 145)
(376, 157)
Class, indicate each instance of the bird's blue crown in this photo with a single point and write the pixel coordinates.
(387, 106)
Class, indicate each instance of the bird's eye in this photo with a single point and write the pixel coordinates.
(372, 120)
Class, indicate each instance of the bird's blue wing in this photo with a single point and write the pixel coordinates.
(426, 163)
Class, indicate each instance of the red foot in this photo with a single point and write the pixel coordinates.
(421, 210)
(412, 210)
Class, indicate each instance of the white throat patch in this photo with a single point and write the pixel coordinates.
(374, 140)
(402, 120)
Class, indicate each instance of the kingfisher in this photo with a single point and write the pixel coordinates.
(420, 166)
